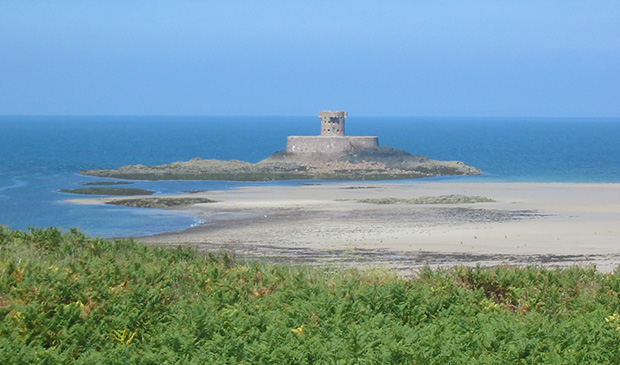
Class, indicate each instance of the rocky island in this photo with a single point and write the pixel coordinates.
(332, 156)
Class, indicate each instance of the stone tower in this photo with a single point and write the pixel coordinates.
(332, 123)
(332, 140)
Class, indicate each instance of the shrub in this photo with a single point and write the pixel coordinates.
(65, 297)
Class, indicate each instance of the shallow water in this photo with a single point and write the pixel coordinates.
(41, 155)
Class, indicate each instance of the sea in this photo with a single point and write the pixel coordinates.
(40, 155)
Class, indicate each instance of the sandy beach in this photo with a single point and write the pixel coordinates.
(528, 223)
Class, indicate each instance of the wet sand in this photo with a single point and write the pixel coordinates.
(529, 223)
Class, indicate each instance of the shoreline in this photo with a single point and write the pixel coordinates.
(547, 224)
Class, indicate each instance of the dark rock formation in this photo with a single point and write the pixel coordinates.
(159, 202)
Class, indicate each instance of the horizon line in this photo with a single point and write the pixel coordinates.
(306, 116)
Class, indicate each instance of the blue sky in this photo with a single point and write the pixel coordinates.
(396, 58)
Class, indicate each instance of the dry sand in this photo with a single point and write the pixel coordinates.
(529, 223)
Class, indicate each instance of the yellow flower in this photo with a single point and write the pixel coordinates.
(614, 320)
(299, 330)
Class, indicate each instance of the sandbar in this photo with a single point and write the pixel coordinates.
(545, 224)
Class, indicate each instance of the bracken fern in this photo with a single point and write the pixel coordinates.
(68, 298)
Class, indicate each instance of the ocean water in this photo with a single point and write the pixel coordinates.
(41, 155)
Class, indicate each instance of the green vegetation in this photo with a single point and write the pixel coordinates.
(108, 191)
(67, 298)
(159, 203)
(104, 183)
(442, 199)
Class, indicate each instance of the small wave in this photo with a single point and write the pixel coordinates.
(17, 183)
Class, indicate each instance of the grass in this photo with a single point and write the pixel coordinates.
(68, 298)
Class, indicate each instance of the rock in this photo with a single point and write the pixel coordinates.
(159, 202)
(378, 163)
(108, 191)
(442, 199)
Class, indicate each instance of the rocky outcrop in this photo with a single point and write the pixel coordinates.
(159, 202)
(108, 191)
(380, 163)
(434, 200)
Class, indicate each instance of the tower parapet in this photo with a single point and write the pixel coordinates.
(332, 122)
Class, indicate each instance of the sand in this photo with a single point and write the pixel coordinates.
(529, 223)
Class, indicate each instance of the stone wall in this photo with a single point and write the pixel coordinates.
(329, 145)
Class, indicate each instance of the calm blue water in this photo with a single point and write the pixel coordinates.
(41, 155)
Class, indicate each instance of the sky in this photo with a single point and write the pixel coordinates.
(371, 58)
